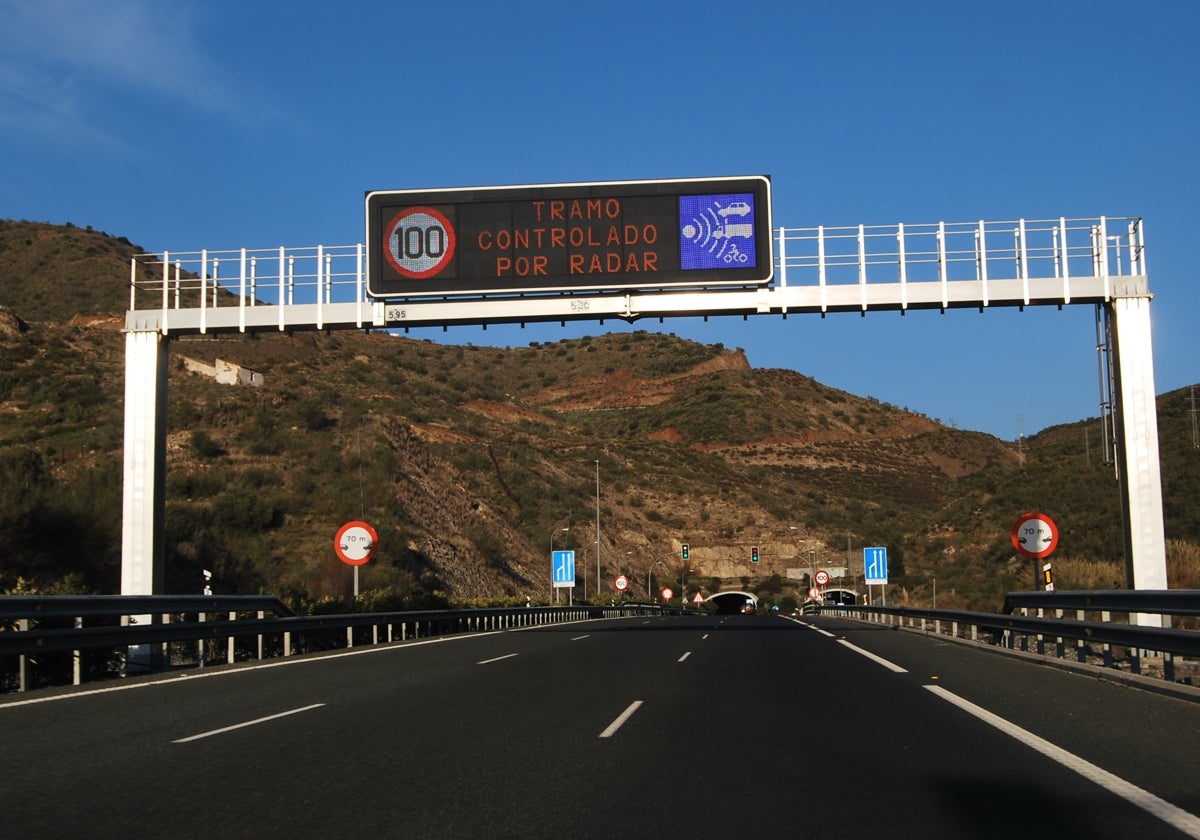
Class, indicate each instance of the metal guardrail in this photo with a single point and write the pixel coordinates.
(1096, 638)
(1151, 601)
(36, 631)
(47, 606)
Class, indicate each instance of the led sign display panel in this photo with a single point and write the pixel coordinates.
(593, 236)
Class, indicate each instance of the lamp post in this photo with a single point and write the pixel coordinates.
(597, 528)
(553, 590)
(650, 575)
(811, 567)
(650, 580)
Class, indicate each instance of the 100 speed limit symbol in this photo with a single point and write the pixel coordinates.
(419, 242)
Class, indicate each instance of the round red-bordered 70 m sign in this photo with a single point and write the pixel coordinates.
(355, 543)
(419, 242)
(1035, 535)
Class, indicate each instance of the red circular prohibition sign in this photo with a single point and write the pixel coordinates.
(1035, 535)
(356, 543)
(419, 242)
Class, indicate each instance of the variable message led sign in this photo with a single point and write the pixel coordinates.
(567, 237)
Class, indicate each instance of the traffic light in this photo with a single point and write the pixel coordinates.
(754, 554)
(684, 550)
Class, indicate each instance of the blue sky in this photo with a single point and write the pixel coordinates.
(186, 125)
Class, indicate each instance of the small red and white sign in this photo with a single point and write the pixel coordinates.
(668, 593)
(355, 543)
(821, 577)
(419, 242)
(621, 583)
(814, 593)
(697, 598)
(1035, 535)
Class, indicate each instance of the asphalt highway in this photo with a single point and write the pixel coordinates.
(714, 726)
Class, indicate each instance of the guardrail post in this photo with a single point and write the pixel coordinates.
(350, 636)
(23, 660)
(260, 638)
(1080, 645)
(287, 642)
(1108, 657)
(201, 653)
(231, 643)
(77, 657)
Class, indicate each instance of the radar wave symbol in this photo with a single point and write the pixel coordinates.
(706, 231)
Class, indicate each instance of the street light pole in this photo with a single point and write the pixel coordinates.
(650, 571)
(553, 590)
(597, 527)
(650, 580)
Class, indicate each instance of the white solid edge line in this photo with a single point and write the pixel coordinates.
(891, 666)
(247, 723)
(246, 668)
(1173, 815)
(620, 721)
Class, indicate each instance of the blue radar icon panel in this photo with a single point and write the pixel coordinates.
(717, 231)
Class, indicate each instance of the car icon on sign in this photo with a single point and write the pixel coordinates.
(736, 208)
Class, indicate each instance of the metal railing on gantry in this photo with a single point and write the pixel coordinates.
(820, 269)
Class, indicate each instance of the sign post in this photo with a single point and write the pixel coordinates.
(875, 568)
(562, 568)
(355, 544)
(1036, 536)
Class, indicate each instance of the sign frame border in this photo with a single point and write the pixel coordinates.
(683, 279)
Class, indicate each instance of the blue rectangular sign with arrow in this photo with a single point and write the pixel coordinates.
(875, 565)
(562, 566)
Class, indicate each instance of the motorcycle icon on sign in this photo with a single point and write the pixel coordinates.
(734, 254)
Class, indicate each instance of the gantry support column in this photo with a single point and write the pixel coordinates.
(143, 527)
(1137, 436)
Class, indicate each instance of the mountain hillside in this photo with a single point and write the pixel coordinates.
(470, 461)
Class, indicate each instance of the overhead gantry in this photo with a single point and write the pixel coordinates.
(1099, 262)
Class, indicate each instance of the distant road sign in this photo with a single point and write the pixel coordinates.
(593, 235)
(355, 543)
(562, 564)
(668, 593)
(821, 577)
(697, 598)
(621, 583)
(875, 566)
(1035, 535)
